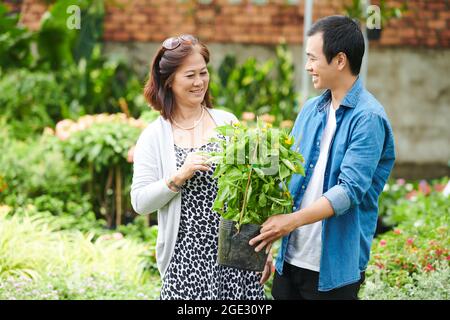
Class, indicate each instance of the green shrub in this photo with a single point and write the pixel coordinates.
(261, 88)
(31, 101)
(433, 285)
(32, 247)
(414, 250)
(37, 167)
(101, 145)
(15, 41)
(57, 287)
(401, 191)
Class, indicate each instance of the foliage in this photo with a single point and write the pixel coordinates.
(59, 287)
(355, 10)
(101, 140)
(400, 191)
(253, 168)
(261, 88)
(416, 248)
(103, 85)
(32, 101)
(100, 144)
(423, 286)
(15, 41)
(34, 168)
(69, 254)
(66, 57)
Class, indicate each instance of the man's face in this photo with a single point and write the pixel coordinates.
(323, 74)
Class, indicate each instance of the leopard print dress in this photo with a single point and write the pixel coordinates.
(193, 272)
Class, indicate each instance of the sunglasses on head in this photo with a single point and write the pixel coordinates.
(175, 42)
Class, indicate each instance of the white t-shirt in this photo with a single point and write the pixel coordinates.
(305, 244)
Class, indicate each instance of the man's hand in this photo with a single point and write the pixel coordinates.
(267, 268)
(274, 228)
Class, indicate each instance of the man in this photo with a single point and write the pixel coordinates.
(348, 146)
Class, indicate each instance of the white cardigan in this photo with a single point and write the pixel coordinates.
(154, 162)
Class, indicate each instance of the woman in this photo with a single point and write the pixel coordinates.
(171, 177)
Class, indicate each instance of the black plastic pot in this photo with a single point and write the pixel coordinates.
(374, 34)
(234, 250)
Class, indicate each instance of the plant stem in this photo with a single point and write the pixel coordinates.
(241, 215)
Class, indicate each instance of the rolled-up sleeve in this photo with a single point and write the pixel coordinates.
(359, 164)
(339, 199)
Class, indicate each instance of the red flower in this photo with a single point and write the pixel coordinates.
(383, 243)
(410, 241)
(429, 267)
(397, 231)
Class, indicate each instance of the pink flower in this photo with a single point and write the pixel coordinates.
(398, 231)
(64, 128)
(286, 124)
(130, 157)
(383, 243)
(410, 241)
(401, 182)
(248, 116)
(268, 118)
(424, 187)
(117, 236)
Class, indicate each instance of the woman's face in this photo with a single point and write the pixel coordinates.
(191, 81)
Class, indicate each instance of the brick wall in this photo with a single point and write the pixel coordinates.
(426, 24)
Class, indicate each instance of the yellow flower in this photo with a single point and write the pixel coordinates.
(289, 141)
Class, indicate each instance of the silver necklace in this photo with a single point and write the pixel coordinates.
(195, 123)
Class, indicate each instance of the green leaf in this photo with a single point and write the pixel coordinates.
(262, 200)
(289, 164)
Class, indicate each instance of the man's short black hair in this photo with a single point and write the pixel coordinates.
(341, 34)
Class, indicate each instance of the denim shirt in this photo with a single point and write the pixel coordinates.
(360, 160)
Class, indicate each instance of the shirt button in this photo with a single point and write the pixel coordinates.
(303, 187)
(311, 166)
(318, 143)
(295, 208)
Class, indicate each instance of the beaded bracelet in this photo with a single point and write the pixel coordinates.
(172, 184)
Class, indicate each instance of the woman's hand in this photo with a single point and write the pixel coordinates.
(192, 163)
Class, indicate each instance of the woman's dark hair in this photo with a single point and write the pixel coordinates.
(157, 90)
(341, 34)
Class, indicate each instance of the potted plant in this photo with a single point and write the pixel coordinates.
(376, 17)
(253, 169)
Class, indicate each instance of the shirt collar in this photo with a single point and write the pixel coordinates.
(350, 100)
